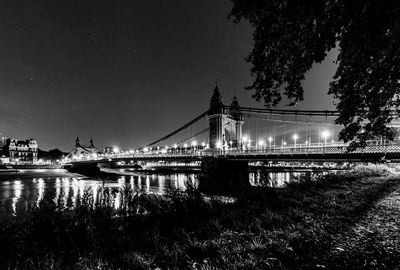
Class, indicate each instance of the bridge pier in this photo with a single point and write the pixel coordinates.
(223, 176)
(85, 168)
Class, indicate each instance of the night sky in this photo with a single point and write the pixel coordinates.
(123, 72)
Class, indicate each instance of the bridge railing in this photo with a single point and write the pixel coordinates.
(337, 149)
(254, 151)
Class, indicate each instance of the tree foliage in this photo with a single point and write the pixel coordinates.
(290, 35)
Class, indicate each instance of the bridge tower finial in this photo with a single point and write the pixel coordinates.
(216, 103)
(234, 109)
(77, 143)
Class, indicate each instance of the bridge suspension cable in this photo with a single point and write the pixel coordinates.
(185, 126)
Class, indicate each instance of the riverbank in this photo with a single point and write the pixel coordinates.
(9, 174)
(296, 227)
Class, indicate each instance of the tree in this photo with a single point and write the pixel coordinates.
(290, 35)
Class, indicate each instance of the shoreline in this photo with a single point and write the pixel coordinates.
(13, 174)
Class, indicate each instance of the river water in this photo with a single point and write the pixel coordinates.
(30, 187)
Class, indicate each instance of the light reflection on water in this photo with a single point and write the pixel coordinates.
(16, 194)
(278, 179)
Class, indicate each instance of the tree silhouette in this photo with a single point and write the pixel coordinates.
(290, 35)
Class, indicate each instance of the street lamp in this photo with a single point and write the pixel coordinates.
(261, 144)
(295, 137)
(230, 142)
(219, 145)
(175, 147)
(325, 134)
(270, 142)
(185, 146)
(194, 144)
(203, 144)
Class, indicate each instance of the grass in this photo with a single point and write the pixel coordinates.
(264, 228)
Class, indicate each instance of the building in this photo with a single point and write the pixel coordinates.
(3, 141)
(3, 146)
(23, 151)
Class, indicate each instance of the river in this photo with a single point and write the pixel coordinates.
(31, 186)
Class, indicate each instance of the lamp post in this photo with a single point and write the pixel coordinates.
(185, 146)
(270, 142)
(295, 137)
(261, 144)
(194, 144)
(325, 135)
(219, 146)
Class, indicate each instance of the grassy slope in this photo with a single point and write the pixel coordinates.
(290, 228)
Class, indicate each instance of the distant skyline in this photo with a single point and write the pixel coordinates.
(123, 72)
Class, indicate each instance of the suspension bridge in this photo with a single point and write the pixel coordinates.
(225, 138)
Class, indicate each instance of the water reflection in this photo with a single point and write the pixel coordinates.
(276, 179)
(17, 194)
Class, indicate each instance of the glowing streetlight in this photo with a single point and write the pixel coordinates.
(270, 142)
(245, 139)
(325, 134)
(261, 144)
(194, 145)
(219, 145)
(295, 137)
(185, 146)
(115, 149)
(203, 144)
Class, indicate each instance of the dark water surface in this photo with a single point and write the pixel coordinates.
(30, 187)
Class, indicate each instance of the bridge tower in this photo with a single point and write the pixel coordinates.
(225, 124)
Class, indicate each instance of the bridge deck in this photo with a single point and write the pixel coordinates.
(327, 153)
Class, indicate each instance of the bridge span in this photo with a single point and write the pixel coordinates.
(225, 138)
(371, 153)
